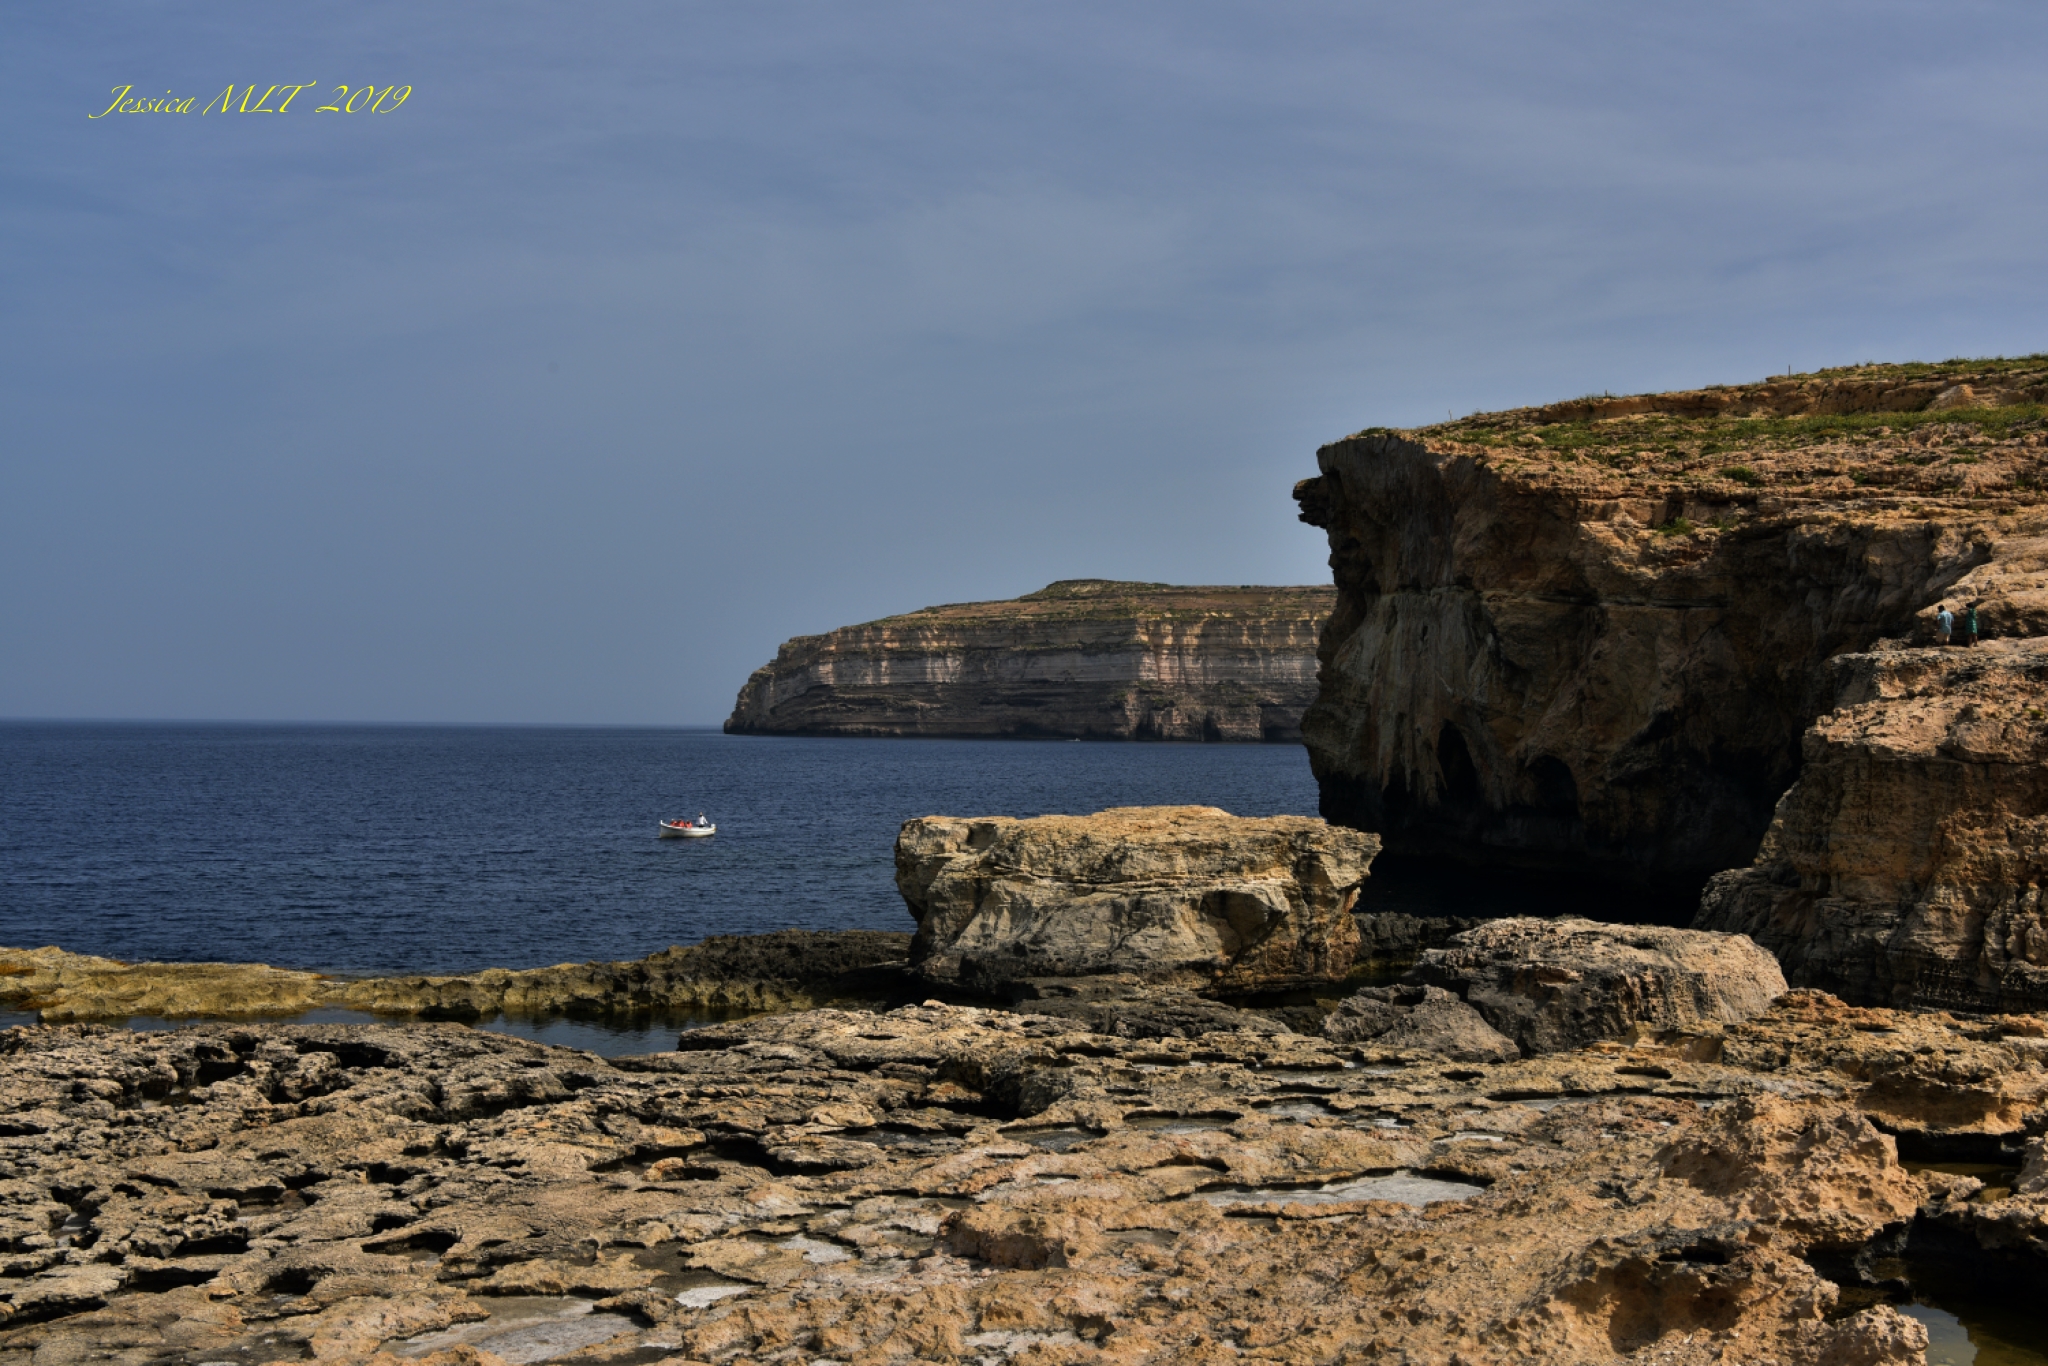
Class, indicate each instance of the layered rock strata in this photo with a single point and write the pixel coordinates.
(954, 1185)
(1083, 658)
(1185, 895)
(1591, 636)
(1907, 863)
(784, 970)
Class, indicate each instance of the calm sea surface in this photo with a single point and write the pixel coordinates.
(360, 849)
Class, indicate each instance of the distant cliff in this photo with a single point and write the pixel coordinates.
(1083, 658)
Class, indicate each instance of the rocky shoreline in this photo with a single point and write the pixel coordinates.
(1547, 1139)
(1145, 1086)
(946, 1183)
(725, 974)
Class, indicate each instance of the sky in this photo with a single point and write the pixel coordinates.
(642, 337)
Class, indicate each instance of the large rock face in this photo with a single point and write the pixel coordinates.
(1591, 636)
(1188, 895)
(1083, 658)
(1907, 864)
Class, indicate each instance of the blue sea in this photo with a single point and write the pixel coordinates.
(388, 849)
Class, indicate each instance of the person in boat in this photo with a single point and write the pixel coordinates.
(701, 822)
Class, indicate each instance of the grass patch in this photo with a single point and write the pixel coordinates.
(1706, 437)
(1677, 526)
(1741, 474)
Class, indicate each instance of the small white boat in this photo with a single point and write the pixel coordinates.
(688, 830)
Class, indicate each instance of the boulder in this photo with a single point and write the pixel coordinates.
(1188, 896)
(1391, 941)
(1416, 1019)
(1552, 985)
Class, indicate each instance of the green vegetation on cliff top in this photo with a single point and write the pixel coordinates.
(1974, 429)
(1113, 600)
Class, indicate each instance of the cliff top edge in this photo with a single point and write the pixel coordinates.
(1073, 599)
(1921, 436)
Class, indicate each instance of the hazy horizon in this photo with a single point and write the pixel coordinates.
(641, 339)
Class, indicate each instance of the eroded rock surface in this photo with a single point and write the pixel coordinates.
(950, 1184)
(1132, 1007)
(1082, 658)
(1420, 1019)
(1186, 895)
(1552, 985)
(1906, 865)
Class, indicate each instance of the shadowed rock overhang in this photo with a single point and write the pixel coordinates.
(1593, 637)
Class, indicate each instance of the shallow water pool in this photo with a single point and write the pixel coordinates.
(1407, 1188)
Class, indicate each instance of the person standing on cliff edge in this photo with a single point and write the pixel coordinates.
(1970, 626)
(1944, 622)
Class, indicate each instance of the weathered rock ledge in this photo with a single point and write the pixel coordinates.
(738, 974)
(956, 1185)
(1083, 658)
(1906, 865)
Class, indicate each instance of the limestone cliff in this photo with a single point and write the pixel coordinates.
(1907, 863)
(1084, 658)
(1594, 636)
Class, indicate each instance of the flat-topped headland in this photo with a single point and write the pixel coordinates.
(1673, 636)
(1089, 659)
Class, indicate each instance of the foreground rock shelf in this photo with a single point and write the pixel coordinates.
(950, 1184)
